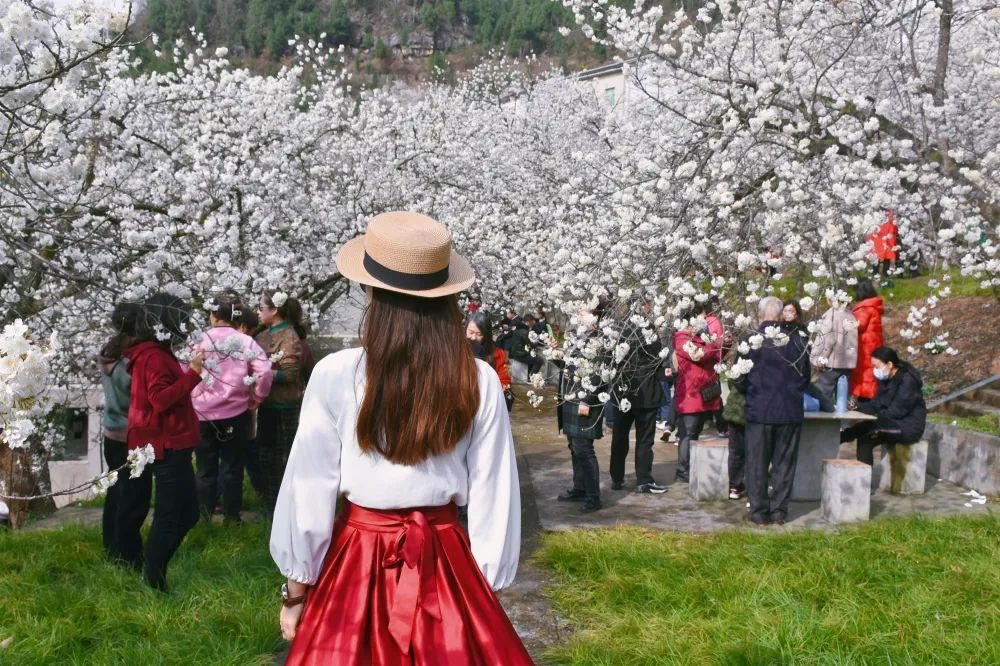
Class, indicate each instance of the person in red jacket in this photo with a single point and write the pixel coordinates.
(868, 313)
(884, 243)
(697, 349)
(161, 414)
(479, 329)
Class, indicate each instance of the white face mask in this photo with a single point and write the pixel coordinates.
(881, 374)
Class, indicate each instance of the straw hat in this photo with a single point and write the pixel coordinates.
(406, 252)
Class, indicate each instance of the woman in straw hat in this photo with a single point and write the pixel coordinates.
(404, 430)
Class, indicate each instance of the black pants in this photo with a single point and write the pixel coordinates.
(775, 446)
(125, 508)
(586, 472)
(252, 466)
(721, 425)
(645, 430)
(175, 513)
(219, 463)
(737, 456)
(689, 426)
(276, 428)
(874, 433)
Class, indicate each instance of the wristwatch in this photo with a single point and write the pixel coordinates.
(287, 600)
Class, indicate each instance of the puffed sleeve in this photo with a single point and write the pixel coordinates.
(307, 501)
(494, 492)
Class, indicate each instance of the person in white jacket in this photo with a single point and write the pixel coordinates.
(835, 349)
(399, 434)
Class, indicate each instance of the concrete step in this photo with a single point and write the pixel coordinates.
(970, 408)
(988, 396)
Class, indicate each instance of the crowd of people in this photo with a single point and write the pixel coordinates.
(672, 384)
(234, 402)
(232, 405)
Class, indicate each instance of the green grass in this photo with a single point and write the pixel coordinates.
(915, 289)
(985, 423)
(914, 591)
(65, 604)
(901, 290)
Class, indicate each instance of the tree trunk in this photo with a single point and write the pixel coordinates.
(940, 76)
(25, 472)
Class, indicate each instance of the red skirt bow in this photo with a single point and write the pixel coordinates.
(402, 587)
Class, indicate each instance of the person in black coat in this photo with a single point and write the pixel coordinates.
(898, 405)
(774, 414)
(581, 420)
(638, 386)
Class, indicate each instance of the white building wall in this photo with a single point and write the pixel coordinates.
(65, 474)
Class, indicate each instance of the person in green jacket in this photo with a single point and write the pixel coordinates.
(127, 501)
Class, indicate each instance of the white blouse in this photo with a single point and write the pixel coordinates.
(325, 462)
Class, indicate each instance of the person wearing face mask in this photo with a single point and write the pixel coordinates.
(898, 405)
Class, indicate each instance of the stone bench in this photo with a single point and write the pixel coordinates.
(846, 491)
(903, 468)
(519, 372)
(709, 471)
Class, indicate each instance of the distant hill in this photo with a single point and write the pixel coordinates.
(389, 39)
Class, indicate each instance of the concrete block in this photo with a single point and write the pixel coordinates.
(709, 473)
(846, 491)
(969, 459)
(518, 371)
(903, 469)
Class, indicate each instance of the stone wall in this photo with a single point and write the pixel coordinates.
(967, 458)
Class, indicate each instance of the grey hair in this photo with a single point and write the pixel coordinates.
(769, 309)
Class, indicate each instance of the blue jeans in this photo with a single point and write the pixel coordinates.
(666, 412)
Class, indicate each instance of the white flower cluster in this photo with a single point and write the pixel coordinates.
(24, 376)
(776, 335)
(742, 367)
(279, 299)
(534, 399)
(138, 459)
(695, 352)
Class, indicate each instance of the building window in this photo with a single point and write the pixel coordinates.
(73, 424)
(609, 94)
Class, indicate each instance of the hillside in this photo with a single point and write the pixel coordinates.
(388, 39)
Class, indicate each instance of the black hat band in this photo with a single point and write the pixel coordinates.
(408, 281)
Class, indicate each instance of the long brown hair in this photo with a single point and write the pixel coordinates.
(422, 389)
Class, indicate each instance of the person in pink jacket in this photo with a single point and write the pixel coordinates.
(697, 351)
(238, 377)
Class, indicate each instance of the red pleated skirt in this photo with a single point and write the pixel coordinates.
(402, 587)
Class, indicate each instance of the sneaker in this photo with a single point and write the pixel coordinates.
(667, 434)
(572, 496)
(735, 492)
(661, 425)
(590, 507)
(683, 478)
(654, 488)
(617, 485)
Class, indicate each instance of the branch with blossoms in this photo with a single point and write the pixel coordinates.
(138, 459)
